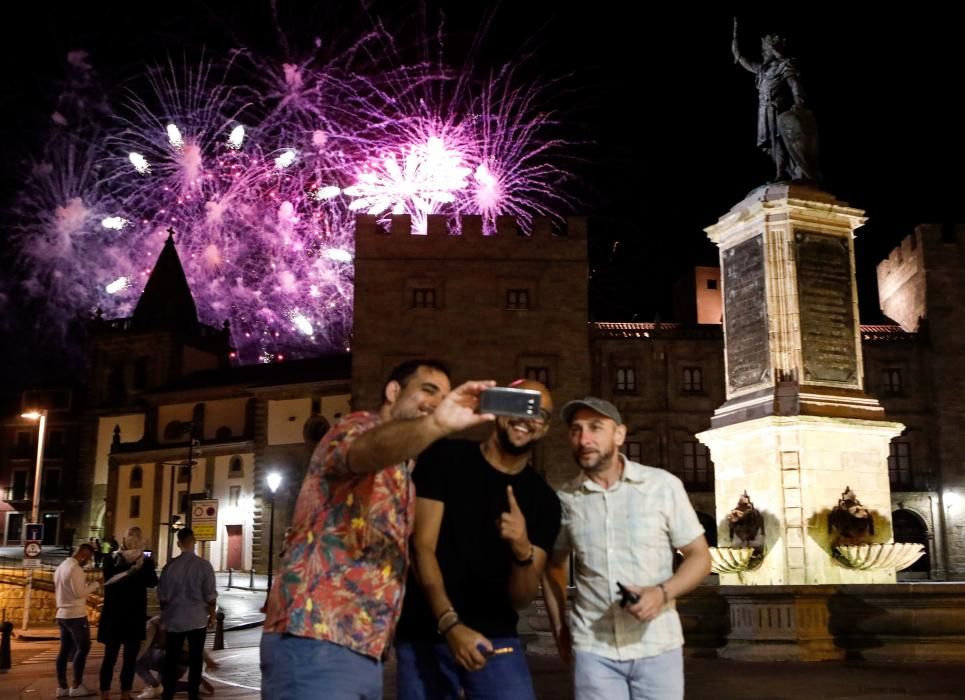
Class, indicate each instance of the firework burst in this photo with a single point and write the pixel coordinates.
(259, 167)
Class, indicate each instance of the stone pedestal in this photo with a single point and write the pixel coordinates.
(795, 468)
(796, 428)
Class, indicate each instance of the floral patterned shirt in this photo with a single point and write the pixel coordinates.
(343, 575)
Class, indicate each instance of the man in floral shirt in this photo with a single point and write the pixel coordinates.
(335, 603)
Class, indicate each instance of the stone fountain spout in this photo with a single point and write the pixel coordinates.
(854, 547)
(746, 531)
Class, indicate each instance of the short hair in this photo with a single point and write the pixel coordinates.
(185, 533)
(84, 545)
(403, 372)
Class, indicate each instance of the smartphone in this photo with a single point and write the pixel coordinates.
(627, 596)
(506, 401)
(148, 553)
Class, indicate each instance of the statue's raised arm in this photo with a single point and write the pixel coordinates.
(738, 58)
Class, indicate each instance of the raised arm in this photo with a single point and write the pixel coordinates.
(738, 58)
(525, 575)
(463, 641)
(401, 439)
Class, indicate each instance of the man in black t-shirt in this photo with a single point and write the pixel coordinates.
(485, 521)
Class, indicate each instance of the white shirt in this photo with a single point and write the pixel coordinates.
(626, 533)
(71, 589)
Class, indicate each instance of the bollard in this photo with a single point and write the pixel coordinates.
(229, 578)
(6, 629)
(219, 632)
(251, 581)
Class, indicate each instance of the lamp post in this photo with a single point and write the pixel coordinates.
(41, 417)
(274, 481)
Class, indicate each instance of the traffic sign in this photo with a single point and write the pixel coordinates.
(31, 549)
(34, 532)
(204, 519)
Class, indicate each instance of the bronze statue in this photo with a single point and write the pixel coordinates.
(852, 520)
(786, 129)
(745, 522)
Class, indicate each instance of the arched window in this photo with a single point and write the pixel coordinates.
(137, 478)
(236, 467)
(909, 527)
(710, 528)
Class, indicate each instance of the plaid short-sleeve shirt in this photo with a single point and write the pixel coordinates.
(343, 575)
(625, 533)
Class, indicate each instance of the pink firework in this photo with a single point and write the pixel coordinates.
(260, 164)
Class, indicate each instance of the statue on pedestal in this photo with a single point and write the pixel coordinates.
(786, 128)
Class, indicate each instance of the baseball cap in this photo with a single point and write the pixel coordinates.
(604, 408)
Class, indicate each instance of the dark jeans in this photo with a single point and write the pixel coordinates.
(427, 671)
(175, 643)
(74, 645)
(131, 647)
(298, 668)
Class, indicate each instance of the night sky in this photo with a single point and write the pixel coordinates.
(670, 118)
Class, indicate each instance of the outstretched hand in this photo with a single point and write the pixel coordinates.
(457, 411)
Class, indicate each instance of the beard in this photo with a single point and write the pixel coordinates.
(508, 446)
(595, 461)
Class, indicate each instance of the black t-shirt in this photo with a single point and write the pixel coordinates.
(475, 561)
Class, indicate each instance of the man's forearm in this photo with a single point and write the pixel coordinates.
(693, 570)
(554, 595)
(393, 442)
(430, 578)
(524, 580)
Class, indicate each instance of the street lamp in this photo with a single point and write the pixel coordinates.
(40, 416)
(274, 481)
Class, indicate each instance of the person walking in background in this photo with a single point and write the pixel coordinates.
(187, 596)
(127, 576)
(95, 544)
(71, 590)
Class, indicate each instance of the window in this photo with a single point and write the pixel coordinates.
(891, 381)
(135, 507)
(54, 445)
(136, 480)
(18, 485)
(24, 445)
(517, 299)
(236, 467)
(711, 284)
(693, 380)
(626, 379)
(51, 483)
(899, 463)
(696, 464)
(184, 474)
(540, 374)
(424, 298)
(632, 450)
(183, 501)
(234, 495)
(140, 373)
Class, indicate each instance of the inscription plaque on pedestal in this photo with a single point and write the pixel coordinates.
(745, 314)
(827, 308)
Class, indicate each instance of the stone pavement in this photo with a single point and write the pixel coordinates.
(706, 679)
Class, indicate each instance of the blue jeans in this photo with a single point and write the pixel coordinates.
(74, 645)
(658, 677)
(427, 671)
(298, 668)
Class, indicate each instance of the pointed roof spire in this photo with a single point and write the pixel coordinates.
(166, 303)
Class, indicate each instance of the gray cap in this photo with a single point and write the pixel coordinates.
(604, 408)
